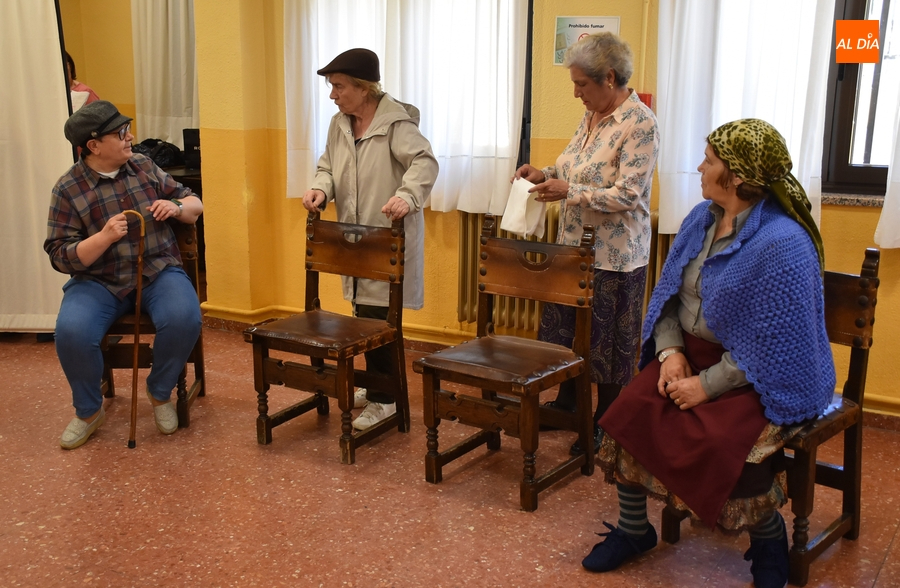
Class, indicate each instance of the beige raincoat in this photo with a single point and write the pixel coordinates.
(392, 158)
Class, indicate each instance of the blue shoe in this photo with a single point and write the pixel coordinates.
(616, 548)
(771, 561)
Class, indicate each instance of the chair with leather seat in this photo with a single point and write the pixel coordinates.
(119, 353)
(849, 319)
(332, 341)
(508, 373)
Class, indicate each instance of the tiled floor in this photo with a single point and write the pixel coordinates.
(208, 506)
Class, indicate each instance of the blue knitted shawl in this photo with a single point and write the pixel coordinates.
(762, 298)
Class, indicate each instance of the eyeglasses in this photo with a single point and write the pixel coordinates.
(122, 132)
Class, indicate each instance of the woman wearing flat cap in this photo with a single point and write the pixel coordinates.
(377, 167)
(734, 356)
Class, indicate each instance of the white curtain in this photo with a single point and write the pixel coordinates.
(462, 63)
(721, 60)
(34, 153)
(165, 74)
(887, 234)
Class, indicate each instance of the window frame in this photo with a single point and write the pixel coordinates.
(838, 175)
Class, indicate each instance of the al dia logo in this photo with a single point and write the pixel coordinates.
(856, 41)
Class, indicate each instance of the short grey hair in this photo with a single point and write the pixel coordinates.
(373, 89)
(598, 53)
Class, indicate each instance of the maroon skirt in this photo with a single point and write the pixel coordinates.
(697, 453)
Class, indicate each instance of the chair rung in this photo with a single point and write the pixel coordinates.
(831, 475)
(298, 376)
(826, 538)
(463, 447)
(293, 411)
(121, 355)
(559, 472)
(469, 410)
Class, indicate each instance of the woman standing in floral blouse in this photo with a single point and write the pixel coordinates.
(603, 178)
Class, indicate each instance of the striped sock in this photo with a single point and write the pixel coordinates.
(770, 528)
(632, 511)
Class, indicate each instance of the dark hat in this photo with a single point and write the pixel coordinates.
(356, 63)
(93, 120)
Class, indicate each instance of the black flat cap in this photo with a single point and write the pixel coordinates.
(92, 121)
(356, 63)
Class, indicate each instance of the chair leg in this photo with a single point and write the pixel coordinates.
(584, 416)
(493, 442)
(852, 477)
(107, 377)
(671, 524)
(199, 366)
(402, 396)
(345, 389)
(433, 469)
(182, 408)
(323, 407)
(263, 426)
(802, 494)
(529, 420)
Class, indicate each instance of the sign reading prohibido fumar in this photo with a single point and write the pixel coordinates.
(569, 29)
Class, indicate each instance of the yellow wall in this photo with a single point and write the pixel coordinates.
(98, 37)
(555, 110)
(254, 235)
(847, 231)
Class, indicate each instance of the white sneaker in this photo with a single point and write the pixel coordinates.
(359, 398)
(373, 414)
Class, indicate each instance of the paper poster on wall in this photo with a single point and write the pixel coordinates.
(570, 29)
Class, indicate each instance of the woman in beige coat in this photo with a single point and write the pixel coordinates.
(377, 167)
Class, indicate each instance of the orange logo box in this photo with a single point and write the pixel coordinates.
(856, 41)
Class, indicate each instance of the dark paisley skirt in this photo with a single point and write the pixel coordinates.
(615, 328)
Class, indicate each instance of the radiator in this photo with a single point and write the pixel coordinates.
(512, 313)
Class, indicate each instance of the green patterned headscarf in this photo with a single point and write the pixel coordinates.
(758, 155)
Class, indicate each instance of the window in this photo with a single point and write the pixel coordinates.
(460, 62)
(862, 102)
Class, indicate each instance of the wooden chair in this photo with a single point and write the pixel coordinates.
(849, 318)
(512, 371)
(120, 355)
(373, 253)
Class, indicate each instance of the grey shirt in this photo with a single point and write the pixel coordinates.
(685, 311)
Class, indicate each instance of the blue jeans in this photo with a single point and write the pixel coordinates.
(88, 310)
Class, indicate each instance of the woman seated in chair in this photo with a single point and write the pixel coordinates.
(734, 356)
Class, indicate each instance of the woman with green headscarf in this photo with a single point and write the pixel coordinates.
(734, 355)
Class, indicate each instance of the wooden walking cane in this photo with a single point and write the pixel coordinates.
(137, 331)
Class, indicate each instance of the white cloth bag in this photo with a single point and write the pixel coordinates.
(524, 215)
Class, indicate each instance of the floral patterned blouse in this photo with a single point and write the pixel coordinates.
(610, 173)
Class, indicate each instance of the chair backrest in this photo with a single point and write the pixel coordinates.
(850, 316)
(187, 245)
(543, 272)
(358, 251)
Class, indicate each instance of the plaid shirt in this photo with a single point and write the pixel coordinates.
(82, 201)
